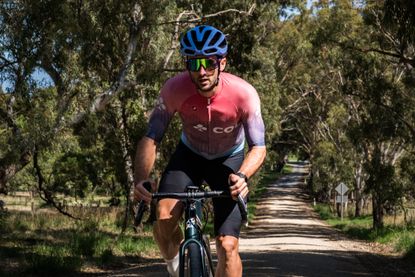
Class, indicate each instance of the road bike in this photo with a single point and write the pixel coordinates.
(194, 253)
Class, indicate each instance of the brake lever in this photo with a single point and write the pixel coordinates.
(243, 208)
(141, 206)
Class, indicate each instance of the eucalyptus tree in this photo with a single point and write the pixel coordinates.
(88, 50)
(107, 61)
(382, 85)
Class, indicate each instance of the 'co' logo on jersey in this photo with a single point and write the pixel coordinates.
(220, 130)
(216, 130)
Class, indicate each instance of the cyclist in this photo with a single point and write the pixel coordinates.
(218, 111)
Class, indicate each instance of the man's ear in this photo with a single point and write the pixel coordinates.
(222, 64)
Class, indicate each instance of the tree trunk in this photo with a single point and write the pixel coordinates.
(378, 212)
(127, 161)
(359, 184)
(358, 205)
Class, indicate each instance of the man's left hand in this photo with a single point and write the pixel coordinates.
(238, 186)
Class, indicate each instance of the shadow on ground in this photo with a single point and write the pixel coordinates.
(308, 263)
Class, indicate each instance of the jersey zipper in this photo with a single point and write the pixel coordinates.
(209, 120)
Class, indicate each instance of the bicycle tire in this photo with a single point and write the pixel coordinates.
(209, 269)
(194, 261)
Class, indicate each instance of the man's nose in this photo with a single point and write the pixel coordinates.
(202, 70)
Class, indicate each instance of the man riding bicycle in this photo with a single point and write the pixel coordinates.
(219, 111)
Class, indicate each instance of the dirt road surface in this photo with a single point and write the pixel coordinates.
(286, 238)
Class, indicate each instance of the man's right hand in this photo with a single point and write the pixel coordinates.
(141, 193)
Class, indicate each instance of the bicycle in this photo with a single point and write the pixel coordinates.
(195, 258)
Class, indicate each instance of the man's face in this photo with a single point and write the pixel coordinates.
(204, 72)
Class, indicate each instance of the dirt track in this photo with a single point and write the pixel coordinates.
(287, 239)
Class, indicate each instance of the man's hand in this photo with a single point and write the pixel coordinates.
(141, 193)
(238, 186)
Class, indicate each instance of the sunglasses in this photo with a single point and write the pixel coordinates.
(208, 64)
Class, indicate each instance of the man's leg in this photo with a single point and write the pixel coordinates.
(227, 217)
(166, 229)
(182, 171)
(229, 261)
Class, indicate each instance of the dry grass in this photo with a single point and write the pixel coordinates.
(47, 243)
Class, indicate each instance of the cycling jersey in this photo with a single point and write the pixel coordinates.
(212, 127)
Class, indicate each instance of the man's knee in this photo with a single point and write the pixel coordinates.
(228, 244)
(168, 214)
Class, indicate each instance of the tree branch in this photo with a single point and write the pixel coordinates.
(194, 18)
(100, 101)
(410, 127)
(47, 195)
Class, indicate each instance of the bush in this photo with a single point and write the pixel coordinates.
(4, 215)
(324, 211)
(406, 242)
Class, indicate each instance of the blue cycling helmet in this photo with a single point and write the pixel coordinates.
(203, 40)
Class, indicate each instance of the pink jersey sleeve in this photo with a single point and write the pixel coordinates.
(162, 114)
(172, 95)
(252, 120)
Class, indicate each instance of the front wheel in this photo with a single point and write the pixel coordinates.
(194, 261)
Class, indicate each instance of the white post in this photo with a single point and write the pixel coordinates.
(341, 203)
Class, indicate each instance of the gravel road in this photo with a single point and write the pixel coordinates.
(286, 238)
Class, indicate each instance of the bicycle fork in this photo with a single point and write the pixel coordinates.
(193, 235)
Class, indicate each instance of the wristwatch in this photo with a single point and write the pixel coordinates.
(240, 174)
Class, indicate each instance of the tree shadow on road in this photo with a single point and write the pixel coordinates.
(321, 263)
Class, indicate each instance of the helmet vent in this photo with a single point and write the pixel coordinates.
(215, 39)
(200, 41)
(223, 44)
(186, 41)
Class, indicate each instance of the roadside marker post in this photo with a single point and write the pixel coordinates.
(342, 189)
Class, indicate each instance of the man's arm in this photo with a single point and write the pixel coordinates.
(144, 162)
(252, 162)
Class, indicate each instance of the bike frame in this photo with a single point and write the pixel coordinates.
(193, 234)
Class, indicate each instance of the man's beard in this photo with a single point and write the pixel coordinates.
(206, 89)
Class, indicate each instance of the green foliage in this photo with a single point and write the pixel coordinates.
(336, 84)
(75, 174)
(406, 242)
(401, 238)
(51, 260)
(3, 219)
(54, 244)
(324, 211)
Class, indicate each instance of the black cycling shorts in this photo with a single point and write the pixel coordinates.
(187, 168)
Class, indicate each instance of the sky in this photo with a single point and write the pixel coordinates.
(39, 76)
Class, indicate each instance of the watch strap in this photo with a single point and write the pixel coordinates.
(240, 174)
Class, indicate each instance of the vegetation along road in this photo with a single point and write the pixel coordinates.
(286, 238)
(78, 80)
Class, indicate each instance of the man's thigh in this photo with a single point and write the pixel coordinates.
(228, 219)
(183, 169)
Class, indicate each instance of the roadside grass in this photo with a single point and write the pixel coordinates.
(400, 237)
(51, 244)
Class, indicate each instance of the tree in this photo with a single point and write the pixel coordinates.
(107, 61)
